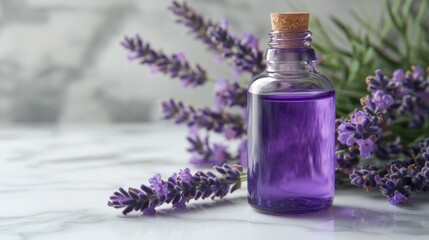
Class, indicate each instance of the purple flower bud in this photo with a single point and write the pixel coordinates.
(365, 177)
(221, 85)
(224, 24)
(398, 198)
(149, 211)
(359, 117)
(398, 75)
(181, 57)
(185, 175)
(250, 41)
(365, 147)
(157, 185)
(219, 155)
(346, 138)
(382, 100)
(229, 132)
(417, 72)
(198, 160)
(362, 129)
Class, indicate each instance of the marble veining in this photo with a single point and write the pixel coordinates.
(55, 182)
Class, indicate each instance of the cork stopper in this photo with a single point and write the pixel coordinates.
(290, 21)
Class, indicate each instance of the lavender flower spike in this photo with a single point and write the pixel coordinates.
(181, 188)
(230, 94)
(406, 94)
(363, 129)
(244, 55)
(194, 21)
(204, 153)
(231, 125)
(364, 177)
(176, 65)
(244, 52)
(393, 186)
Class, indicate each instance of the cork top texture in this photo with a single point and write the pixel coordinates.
(290, 21)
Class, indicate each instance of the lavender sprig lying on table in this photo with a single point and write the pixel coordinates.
(178, 190)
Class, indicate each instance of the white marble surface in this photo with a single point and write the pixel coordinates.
(55, 183)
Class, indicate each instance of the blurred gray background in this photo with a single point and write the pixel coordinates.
(61, 62)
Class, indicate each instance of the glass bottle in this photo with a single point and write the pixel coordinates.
(291, 129)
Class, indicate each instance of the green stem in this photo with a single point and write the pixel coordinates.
(346, 93)
(341, 151)
(243, 177)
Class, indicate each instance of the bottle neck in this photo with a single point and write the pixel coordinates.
(290, 66)
(290, 51)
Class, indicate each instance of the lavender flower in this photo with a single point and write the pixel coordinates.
(176, 65)
(177, 111)
(417, 177)
(363, 129)
(397, 180)
(406, 94)
(219, 155)
(417, 72)
(365, 147)
(218, 121)
(181, 188)
(157, 185)
(347, 158)
(364, 177)
(195, 22)
(244, 53)
(250, 41)
(421, 152)
(392, 185)
(229, 95)
(381, 101)
(244, 56)
(388, 150)
(203, 153)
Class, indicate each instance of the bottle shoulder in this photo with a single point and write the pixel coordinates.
(308, 81)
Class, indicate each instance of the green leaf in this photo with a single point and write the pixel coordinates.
(392, 14)
(346, 30)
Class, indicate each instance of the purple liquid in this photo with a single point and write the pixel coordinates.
(291, 152)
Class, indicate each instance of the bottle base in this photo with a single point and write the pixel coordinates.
(304, 205)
